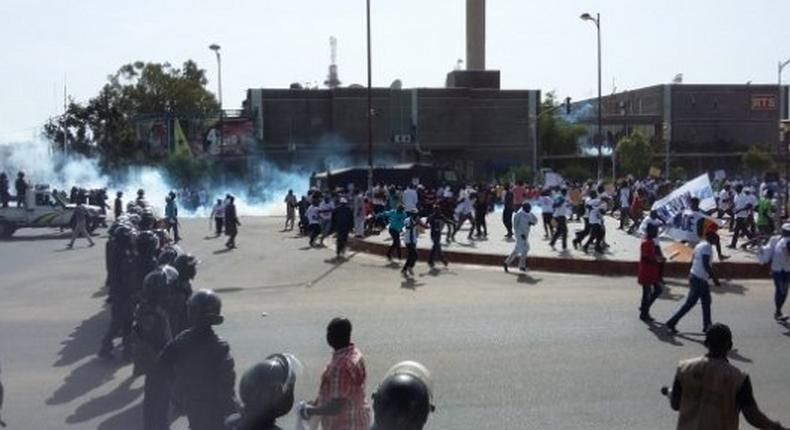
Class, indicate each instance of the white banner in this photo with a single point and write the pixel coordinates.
(551, 179)
(670, 208)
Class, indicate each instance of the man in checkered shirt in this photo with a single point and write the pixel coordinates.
(341, 399)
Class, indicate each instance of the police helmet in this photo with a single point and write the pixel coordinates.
(113, 228)
(156, 286)
(185, 264)
(267, 388)
(167, 255)
(170, 271)
(163, 236)
(204, 307)
(147, 243)
(140, 192)
(404, 398)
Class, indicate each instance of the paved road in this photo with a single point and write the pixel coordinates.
(532, 352)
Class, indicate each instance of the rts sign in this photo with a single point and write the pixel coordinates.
(764, 102)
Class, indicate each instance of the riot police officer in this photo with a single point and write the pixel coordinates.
(122, 291)
(267, 393)
(186, 265)
(404, 398)
(150, 333)
(201, 366)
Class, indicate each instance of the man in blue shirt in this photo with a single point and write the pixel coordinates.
(171, 214)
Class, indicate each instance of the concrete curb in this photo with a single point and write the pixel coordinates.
(601, 267)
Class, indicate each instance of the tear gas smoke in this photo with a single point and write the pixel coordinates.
(41, 165)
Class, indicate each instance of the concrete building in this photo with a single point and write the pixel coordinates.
(704, 126)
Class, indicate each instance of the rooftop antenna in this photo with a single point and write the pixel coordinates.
(332, 81)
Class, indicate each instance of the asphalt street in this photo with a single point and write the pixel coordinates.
(506, 351)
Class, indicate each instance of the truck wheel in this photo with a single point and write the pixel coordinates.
(6, 230)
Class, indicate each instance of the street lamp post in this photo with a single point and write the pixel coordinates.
(783, 142)
(597, 21)
(214, 47)
(370, 105)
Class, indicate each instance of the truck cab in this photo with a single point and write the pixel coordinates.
(43, 208)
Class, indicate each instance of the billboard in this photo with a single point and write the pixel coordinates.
(201, 137)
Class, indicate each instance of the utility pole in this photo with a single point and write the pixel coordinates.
(370, 107)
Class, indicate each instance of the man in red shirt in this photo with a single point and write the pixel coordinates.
(519, 194)
(649, 274)
(341, 399)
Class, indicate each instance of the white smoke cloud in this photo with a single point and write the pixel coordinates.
(61, 172)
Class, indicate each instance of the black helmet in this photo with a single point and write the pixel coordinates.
(156, 286)
(163, 236)
(267, 388)
(140, 192)
(147, 243)
(113, 227)
(404, 398)
(123, 234)
(204, 308)
(167, 255)
(185, 264)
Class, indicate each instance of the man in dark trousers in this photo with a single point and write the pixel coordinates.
(151, 332)
(199, 363)
(699, 288)
(436, 221)
(4, 194)
(21, 189)
(710, 393)
(118, 205)
(507, 211)
(231, 222)
(121, 292)
(342, 222)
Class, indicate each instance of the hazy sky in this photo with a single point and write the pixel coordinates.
(271, 43)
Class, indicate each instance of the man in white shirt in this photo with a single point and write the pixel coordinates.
(464, 212)
(325, 210)
(699, 289)
(290, 210)
(562, 209)
(410, 198)
(313, 221)
(218, 215)
(743, 208)
(523, 220)
(596, 209)
(625, 204)
(410, 235)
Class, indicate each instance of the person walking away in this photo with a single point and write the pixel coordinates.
(304, 203)
(582, 234)
(507, 211)
(290, 211)
(724, 203)
(765, 215)
(649, 272)
(342, 222)
(561, 212)
(21, 189)
(596, 209)
(218, 215)
(313, 222)
(546, 204)
(395, 219)
(481, 211)
(523, 221)
(709, 392)
(325, 212)
(777, 253)
(341, 400)
(232, 222)
(463, 212)
(171, 214)
(699, 288)
(637, 210)
(79, 227)
(410, 235)
(741, 212)
(436, 221)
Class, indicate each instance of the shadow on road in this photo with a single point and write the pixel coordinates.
(729, 287)
(84, 339)
(411, 284)
(113, 401)
(50, 236)
(667, 294)
(131, 418)
(736, 355)
(662, 334)
(88, 376)
(523, 278)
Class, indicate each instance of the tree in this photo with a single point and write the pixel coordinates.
(105, 124)
(757, 160)
(634, 154)
(557, 136)
(186, 170)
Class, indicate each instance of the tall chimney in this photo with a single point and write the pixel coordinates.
(475, 34)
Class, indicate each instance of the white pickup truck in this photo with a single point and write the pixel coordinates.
(43, 208)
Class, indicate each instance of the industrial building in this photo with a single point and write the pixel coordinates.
(702, 126)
